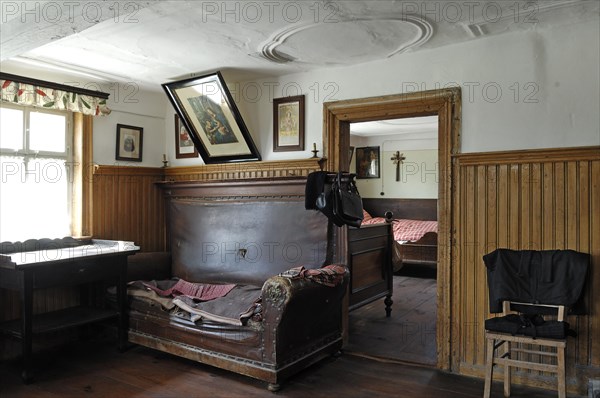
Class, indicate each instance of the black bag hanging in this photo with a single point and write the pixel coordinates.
(339, 201)
(347, 204)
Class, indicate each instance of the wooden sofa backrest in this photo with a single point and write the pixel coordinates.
(243, 231)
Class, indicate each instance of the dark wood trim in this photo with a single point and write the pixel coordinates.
(447, 105)
(109, 170)
(52, 85)
(529, 156)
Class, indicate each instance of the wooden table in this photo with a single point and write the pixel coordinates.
(27, 271)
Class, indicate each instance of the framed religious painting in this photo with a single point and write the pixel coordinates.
(129, 143)
(184, 146)
(212, 119)
(288, 124)
(367, 162)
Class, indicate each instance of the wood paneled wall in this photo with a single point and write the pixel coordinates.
(128, 205)
(540, 199)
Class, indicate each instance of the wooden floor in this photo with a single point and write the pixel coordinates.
(409, 334)
(96, 369)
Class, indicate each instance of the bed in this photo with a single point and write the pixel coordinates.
(414, 226)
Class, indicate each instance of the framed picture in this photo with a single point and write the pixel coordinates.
(184, 146)
(212, 119)
(288, 124)
(129, 143)
(367, 162)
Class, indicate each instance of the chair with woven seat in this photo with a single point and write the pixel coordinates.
(525, 286)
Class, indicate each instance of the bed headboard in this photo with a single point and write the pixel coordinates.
(414, 209)
(243, 231)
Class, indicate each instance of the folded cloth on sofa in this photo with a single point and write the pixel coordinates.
(330, 275)
(235, 305)
(239, 305)
(178, 287)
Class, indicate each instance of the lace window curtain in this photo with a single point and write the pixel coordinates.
(51, 98)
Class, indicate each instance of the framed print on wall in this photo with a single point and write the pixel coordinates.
(184, 146)
(209, 114)
(129, 143)
(288, 124)
(367, 162)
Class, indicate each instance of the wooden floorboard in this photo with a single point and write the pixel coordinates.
(370, 365)
(95, 368)
(409, 334)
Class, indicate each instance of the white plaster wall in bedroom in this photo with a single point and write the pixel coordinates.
(537, 89)
(133, 107)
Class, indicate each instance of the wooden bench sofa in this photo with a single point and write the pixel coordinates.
(245, 233)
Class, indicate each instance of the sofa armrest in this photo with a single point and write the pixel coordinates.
(300, 312)
(149, 266)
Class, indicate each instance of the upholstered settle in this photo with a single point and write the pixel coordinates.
(246, 233)
(244, 241)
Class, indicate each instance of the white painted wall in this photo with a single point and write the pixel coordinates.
(538, 89)
(133, 108)
(419, 173)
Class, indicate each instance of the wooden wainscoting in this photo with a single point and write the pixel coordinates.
(539, 199)
(128, 205)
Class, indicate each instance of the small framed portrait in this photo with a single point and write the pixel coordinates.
(367, 162)
(184, 146)
(129, 143)
(288, 124)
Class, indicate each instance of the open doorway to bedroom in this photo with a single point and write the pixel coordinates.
(446, 105)
(396, 163)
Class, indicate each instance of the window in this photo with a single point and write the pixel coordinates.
(36, 180)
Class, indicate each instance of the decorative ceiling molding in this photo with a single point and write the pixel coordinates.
(529, 10)
(269, 51)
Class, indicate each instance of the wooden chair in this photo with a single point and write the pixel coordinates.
(512, 346)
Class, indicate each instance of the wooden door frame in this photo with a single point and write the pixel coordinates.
(446, 104)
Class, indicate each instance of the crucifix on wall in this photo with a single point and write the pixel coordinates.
(398, 158)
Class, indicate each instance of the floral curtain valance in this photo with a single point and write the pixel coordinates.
(50, 98)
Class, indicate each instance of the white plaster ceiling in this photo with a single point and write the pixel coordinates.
(424, 126)
(411, 133)
(152, 42)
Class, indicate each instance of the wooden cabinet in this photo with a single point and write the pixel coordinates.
(369, 261)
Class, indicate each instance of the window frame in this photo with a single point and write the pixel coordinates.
(28, 154)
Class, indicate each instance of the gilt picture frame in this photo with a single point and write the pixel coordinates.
(130, 143)
(184, 146)
(210, 115)
(288, 124)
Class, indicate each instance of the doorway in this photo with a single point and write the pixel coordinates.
(401, 179)
(446, 104)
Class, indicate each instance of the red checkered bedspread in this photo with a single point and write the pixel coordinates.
(407, 230)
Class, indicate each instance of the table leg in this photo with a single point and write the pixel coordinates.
(27, 325)
(122, 304)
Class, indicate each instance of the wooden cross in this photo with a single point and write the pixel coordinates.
(398, 158)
